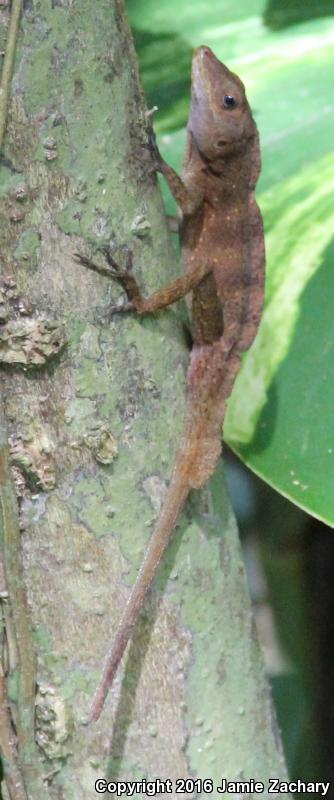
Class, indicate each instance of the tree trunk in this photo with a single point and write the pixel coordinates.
(94, 410)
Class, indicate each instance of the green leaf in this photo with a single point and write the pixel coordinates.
(280, 418)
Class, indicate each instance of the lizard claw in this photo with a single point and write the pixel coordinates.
(106, 250)
(87, 262)
(150, 112)
(113, 270)
(115, 267)
(152, 142)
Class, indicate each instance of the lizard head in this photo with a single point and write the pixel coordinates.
(220, 119)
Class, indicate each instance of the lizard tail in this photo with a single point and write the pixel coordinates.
(195, 462)
(210, 379)
(176, 497)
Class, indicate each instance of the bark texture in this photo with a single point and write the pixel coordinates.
(94, 411)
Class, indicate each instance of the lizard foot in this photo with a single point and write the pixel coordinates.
(112, 270)
(152, 142)
(124, 276)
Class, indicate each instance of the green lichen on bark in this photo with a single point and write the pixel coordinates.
(77, 133)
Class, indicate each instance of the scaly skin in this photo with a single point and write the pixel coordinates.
(223, 263)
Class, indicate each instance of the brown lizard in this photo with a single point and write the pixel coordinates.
(223, 262)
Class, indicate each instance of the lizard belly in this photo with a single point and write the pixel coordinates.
(218, 301)
(207, 311)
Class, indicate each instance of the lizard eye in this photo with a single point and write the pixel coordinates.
(229, 101)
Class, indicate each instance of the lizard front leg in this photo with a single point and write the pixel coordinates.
(188, 201)
(171, 293)
(160, 299)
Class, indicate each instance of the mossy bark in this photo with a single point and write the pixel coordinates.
(94, 410)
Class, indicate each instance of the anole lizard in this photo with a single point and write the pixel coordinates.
(223, 261)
